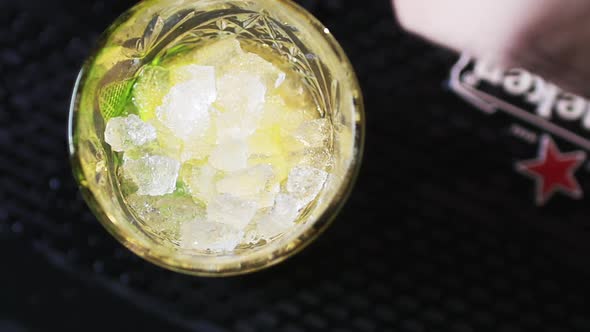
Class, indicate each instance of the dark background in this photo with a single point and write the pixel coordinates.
(439, 235)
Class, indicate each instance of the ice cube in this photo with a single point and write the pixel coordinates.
(236, 124)
(319, 158)
(251, 235)
(315, 133)
(266, 142)
(267, 197)
(285, 209)
(241, 92)
(305, 183)
(267, 228)
(185, 109)
(200, 181)
(280, 218)
(199, 147)
(231, 210)
(167, 143)
(280, 79)
(219, 53)
(228, 56)
(295, 95)
(165, 214)
(184, 115)
(125, 133)
(272, 145)
(204, 76)
(247, 182)
(153, 175)
(253, 64)
(277, 113)
(230, 155)
(204, 235)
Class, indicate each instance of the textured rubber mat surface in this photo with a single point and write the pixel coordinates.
(440, 234)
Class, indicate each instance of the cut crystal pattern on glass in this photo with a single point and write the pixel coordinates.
(113, 97)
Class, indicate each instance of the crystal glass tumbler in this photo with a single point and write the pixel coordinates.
(173, 221)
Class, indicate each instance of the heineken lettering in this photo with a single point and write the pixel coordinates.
(525, 96)
(546, 98)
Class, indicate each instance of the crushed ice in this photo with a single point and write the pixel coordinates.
(230, 142)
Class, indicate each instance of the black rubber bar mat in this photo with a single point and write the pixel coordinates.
(440, 234)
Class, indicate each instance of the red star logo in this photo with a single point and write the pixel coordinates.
(553, 171)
